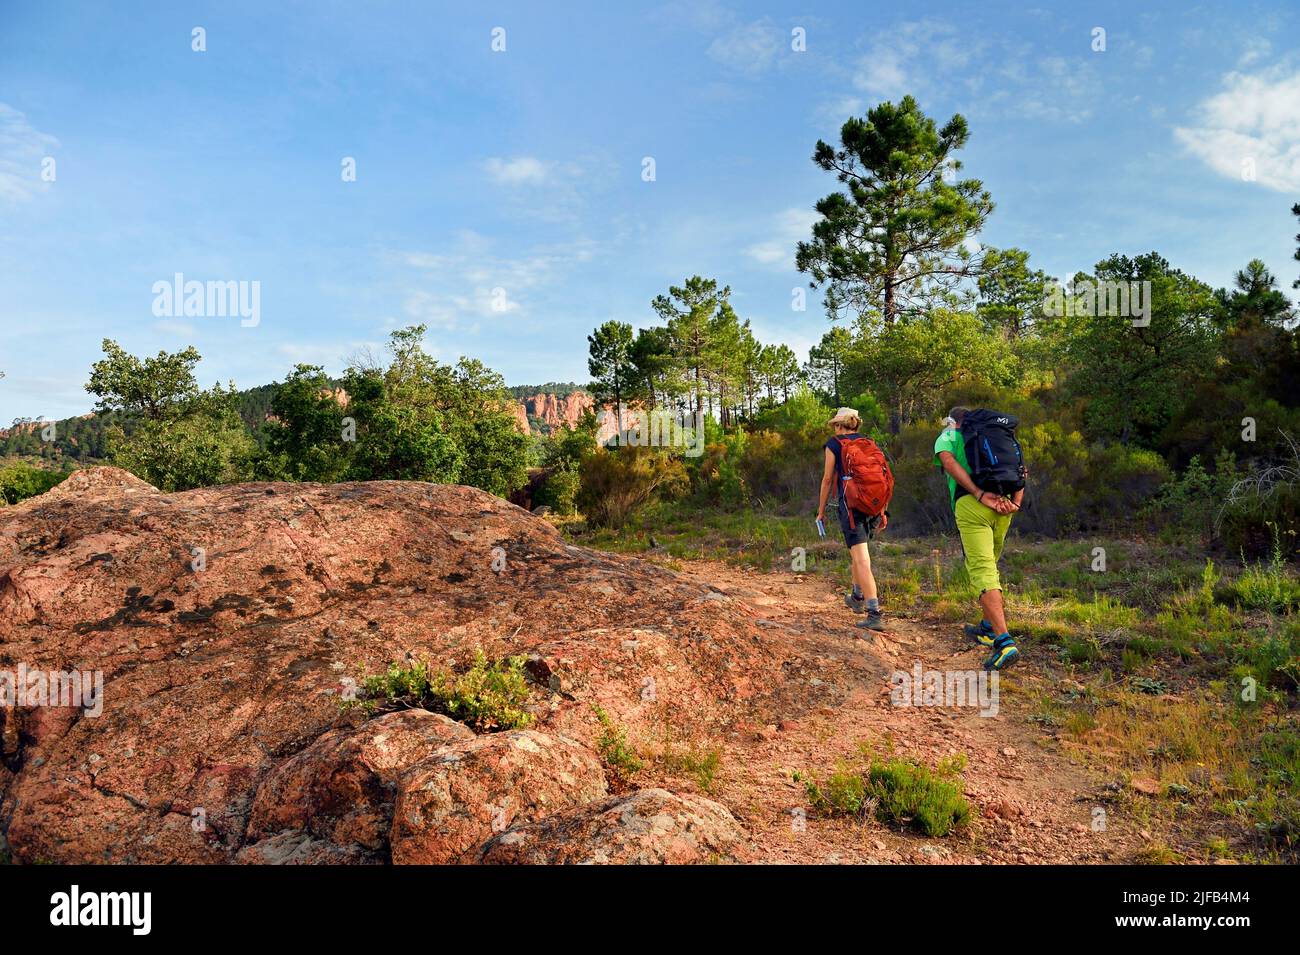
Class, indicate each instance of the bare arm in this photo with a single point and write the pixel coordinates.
(958, 474)
(1002, 505)
(828, 479)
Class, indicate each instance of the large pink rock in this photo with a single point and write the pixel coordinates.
(226, 622)
(341, 788)
(649, 827)
(452, 803)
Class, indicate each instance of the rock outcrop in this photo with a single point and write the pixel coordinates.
(558, 410)
(552, 411)
(341, 788)
(450, 804)
(226, 622)
(651, 826)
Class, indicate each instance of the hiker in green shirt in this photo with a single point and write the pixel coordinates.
(983, 518)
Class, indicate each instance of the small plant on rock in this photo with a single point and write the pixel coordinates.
(614, 748)
(490, 695)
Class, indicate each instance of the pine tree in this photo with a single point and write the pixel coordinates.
(892, 242)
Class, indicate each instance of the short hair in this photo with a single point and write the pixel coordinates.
(957, 412)
(852, 422)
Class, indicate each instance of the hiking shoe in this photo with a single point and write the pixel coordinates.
(873, 621)
(856, 604)
(1005, 654)
(983, 634)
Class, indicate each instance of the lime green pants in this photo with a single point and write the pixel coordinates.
(983, 532)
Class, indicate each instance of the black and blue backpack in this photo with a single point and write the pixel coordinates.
(993, 456)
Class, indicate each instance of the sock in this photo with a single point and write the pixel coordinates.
(857, 592)
(873, 604)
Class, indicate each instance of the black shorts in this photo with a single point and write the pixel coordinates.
(862, 528)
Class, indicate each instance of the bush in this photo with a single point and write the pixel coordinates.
(698, 763)
(1191, 500)
(912, 794)
(1262, 510)
(1126, 480)
(1265, 586)
(197, 449)
(559, 490)
(617, 483)
(614, 748)
(488, 696)
(844, 794)
(897, 791)
(21, 481)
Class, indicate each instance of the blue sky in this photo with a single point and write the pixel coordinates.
(499, 196)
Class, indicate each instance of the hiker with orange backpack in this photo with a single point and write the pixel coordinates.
(856, 469)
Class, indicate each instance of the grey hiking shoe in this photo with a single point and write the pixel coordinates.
(873, 621)
(856, 604)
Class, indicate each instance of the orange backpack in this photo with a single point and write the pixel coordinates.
(868, 483)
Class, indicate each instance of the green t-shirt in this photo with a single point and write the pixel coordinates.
(950, 440)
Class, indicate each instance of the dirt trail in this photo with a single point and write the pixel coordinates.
(1033, 805)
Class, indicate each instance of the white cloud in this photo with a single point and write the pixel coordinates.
(911, 55)
(22, 148)
(833, 113)
(470, 281)
(748, 48)
(789, 228)
(1055, 90)
(882, 74)
(1253, 118)
(1256, 49)
(521, 170)
(930, 58)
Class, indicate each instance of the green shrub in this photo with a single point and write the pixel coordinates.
(909, 793)
(844, 794)
(1264, 586)
(488, 696)
(21, 481)
(200, 448)
(1262, 510)
(559, 490)
(1275, 660)
(732, 489)
(615, 484)
(898, 791)
(699, 763)
(614, 749)
(1191, 500)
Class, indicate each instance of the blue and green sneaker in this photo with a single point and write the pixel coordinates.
(1005, 653)
(983, 634)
